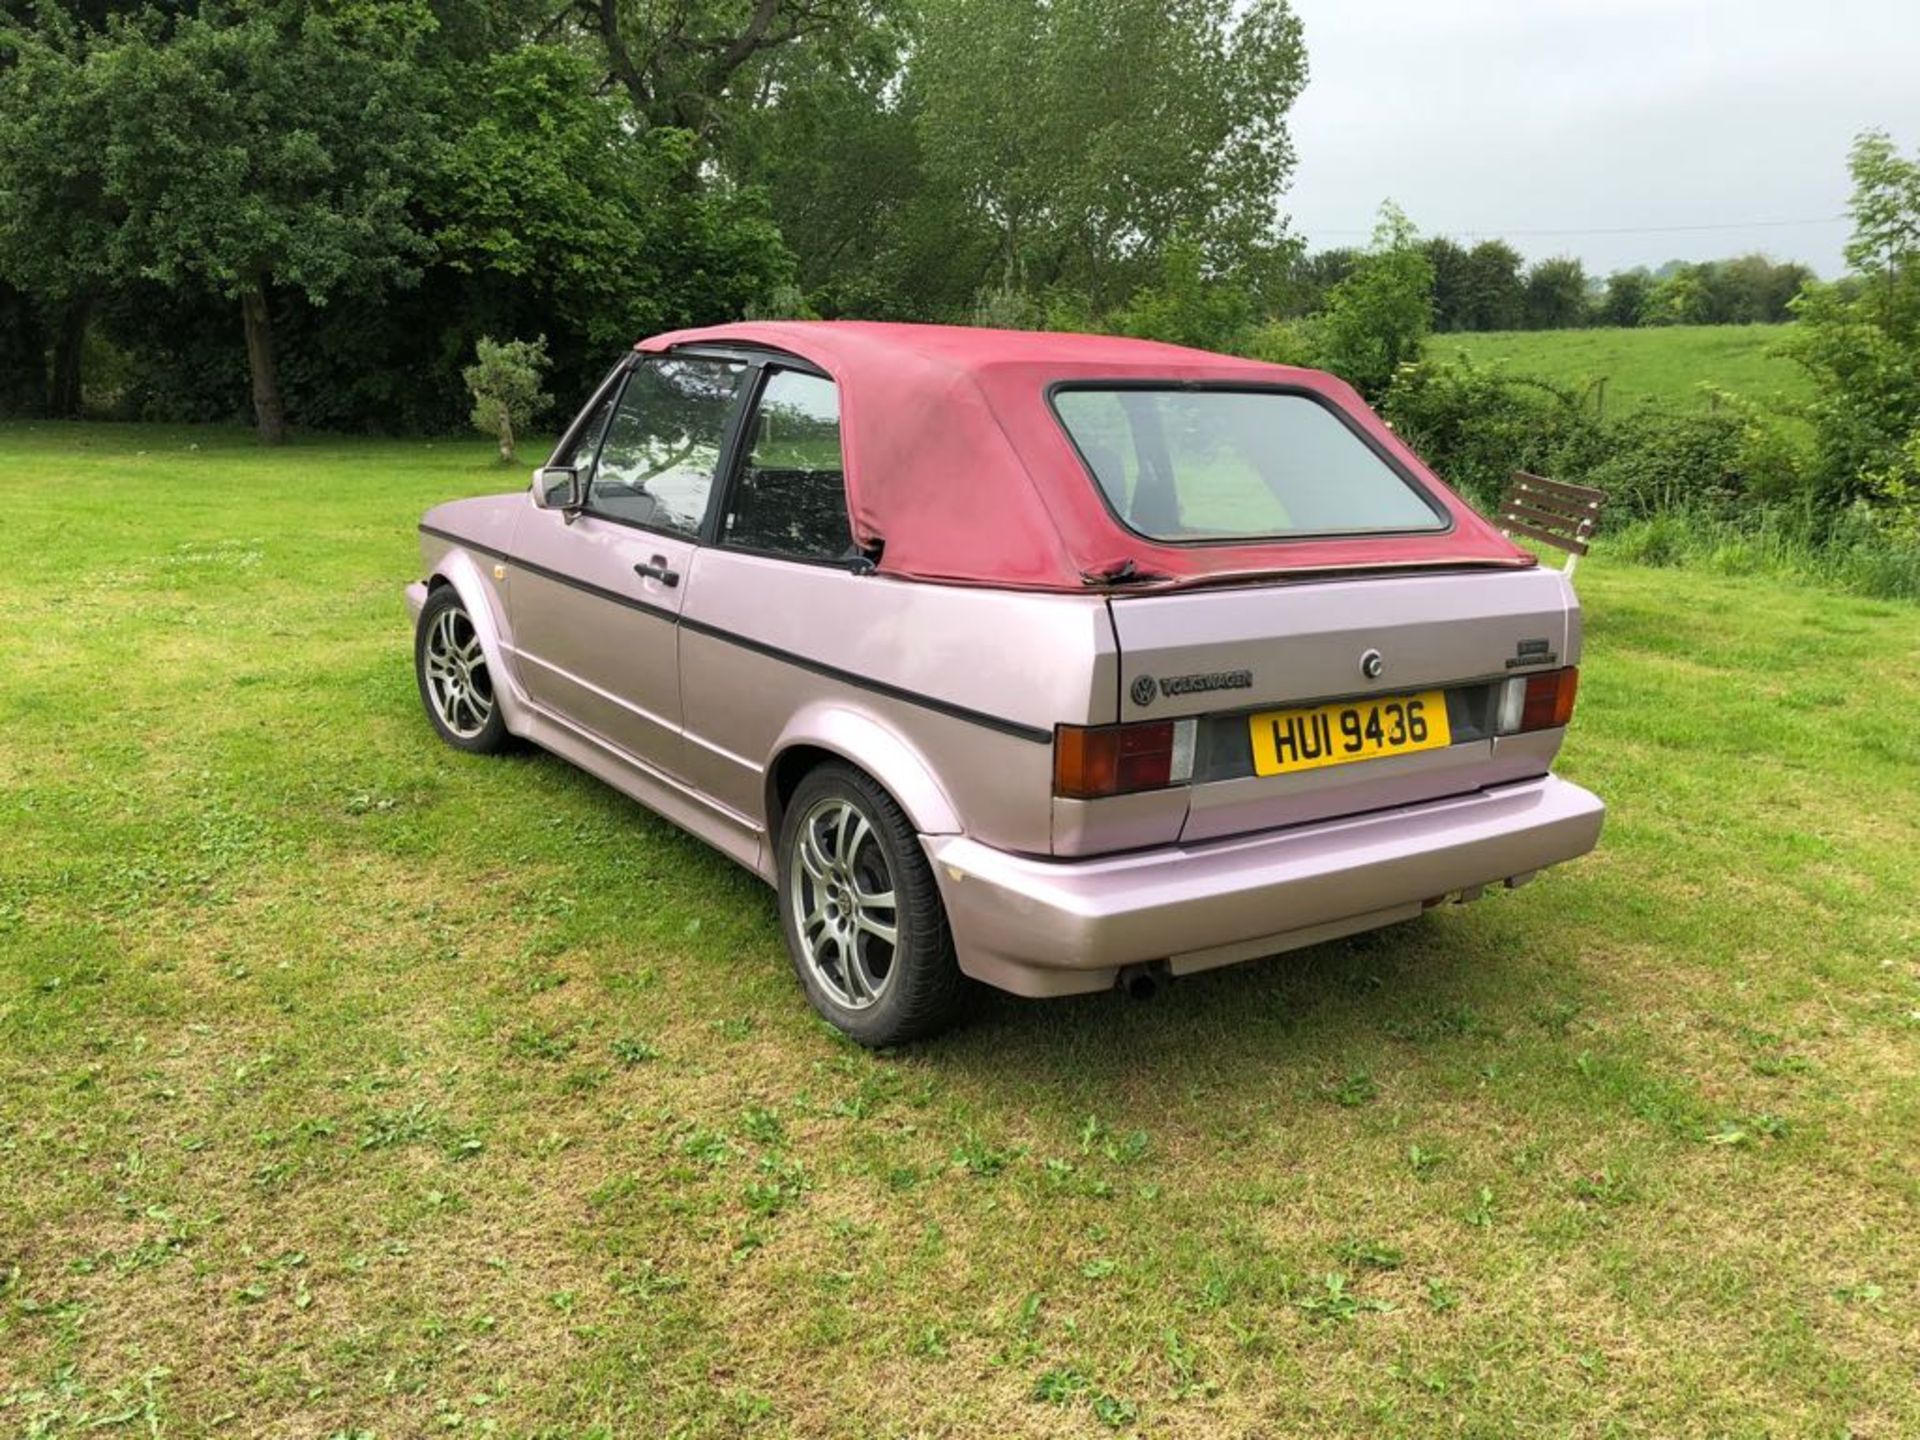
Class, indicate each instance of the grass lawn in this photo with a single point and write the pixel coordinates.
(1667, 363)
(353, 1086)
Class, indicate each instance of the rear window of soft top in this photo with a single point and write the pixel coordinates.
(1190, 465)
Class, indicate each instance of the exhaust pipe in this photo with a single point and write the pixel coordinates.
(1141, 982)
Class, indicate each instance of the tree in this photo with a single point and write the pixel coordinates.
(1452, 270)
(836, 150)
(373, 185)
(1861, 344)
(1783, 286)
(1680, 297)
(1086, 136)
(551, 188)
(265, 149)
(57, 221)
(1753, 290)
(1377, 319)
(1307, 280)
(1626, 297)
(1491, 294)
(1556, 294)
(1885, 208)
(1746, 290)
(696, 65)
(505, 382)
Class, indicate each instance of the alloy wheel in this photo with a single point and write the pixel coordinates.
(841, 890)
(458, 681)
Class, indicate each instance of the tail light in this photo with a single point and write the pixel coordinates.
(1537, 702)
(1090, 761)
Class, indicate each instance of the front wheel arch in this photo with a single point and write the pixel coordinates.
(460, 572)
(456, 676)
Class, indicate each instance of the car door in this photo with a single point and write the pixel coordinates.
(774, 582)
(597, 597)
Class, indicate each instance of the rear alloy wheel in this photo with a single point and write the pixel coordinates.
(862, 914)
(456, 682)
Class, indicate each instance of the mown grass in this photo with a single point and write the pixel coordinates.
(1671, 364)
(350, 1085)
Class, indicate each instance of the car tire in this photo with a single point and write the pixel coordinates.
(455, 677)
(846, 849)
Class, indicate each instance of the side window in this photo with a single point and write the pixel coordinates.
(791, 496)
(663, 444)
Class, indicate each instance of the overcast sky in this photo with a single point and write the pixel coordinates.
(1583, 117)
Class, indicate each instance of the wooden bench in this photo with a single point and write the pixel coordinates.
(1552, 512)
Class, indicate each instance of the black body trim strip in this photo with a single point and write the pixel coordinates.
(1000, 723)
(879, 687)
(439, 534)
(663, 612)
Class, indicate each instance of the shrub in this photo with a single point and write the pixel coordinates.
(1371, 324)
(1188, 305)
(1282, 342)
(505, 382)
(1658, 461)
(1476, 426)
(1896, 486)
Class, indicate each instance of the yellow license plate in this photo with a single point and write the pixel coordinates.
(1288, 740)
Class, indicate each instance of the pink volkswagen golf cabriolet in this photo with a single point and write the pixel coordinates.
(1052, 661)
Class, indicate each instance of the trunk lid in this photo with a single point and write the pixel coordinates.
(1227, 655)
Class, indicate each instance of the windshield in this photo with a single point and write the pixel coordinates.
(1197, 465)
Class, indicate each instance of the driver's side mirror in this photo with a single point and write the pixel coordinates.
(557, 487)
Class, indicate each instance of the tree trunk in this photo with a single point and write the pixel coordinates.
(270, 416)
(506, 436)
(63, 393)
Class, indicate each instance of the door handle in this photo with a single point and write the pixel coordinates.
(657, 569)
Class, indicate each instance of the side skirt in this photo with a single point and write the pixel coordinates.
(734, 836)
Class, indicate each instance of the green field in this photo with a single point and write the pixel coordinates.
(353, 1086)
(1669, 363)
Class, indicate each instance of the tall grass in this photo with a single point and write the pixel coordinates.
(1851, 552)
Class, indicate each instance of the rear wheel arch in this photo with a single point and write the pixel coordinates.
(784, 775)
(846, 738)
(860, 910)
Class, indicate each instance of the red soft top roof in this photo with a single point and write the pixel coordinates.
(958, 468)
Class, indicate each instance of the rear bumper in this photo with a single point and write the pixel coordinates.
(1048, 927)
